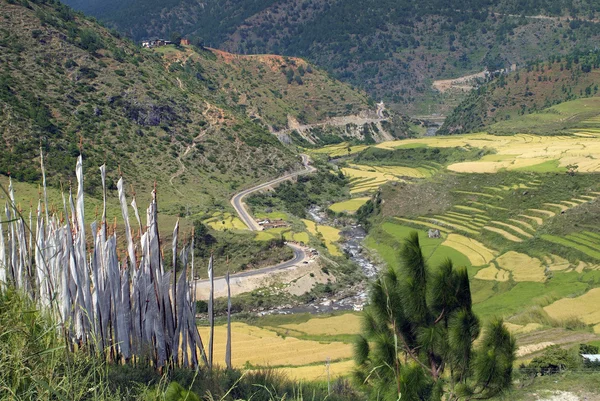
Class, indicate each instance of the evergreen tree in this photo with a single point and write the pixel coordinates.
(418, 335)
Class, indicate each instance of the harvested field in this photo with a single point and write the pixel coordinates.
(318, 372)
(512, 228)
(492, 273)
(261, 347)
(523, 267)
(349, 206)
(347, 323)
(503, 233)
(329, 234)
(584, 308)
(478, 254)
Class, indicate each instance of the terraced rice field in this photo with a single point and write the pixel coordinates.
(478, 254)
(518, 152)
(522, 266)
(329, 234)
(585, 242)
(225, 221)
(350, 206)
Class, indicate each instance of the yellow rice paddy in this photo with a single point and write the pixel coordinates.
(492, 273)
(319, 372)
(261, 347)
(523, 267)
(343, 324)
(349, 206)
(518, 151)
(477, 253)
(584, 307)
(329, 235)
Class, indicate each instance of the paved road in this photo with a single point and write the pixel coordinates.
(238, 200)
(238, 203)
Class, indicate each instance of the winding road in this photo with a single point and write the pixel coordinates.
(237, 202)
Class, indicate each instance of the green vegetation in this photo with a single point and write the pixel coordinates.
(521, 102)
(319, 188)
(418, 156)
(36, 365)
(392, 49)
(426, 317)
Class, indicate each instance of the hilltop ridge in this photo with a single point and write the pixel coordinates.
(195, 119)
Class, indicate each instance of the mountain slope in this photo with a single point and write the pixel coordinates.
(528, 90)
(175, 116)
(393, 49)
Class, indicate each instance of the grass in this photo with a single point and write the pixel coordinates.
(387, 241)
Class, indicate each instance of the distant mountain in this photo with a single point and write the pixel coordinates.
(394, 49)
(530, 89)
(201, 121)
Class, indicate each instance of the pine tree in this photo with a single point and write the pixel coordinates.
(418, 335)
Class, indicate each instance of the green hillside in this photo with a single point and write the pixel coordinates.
(532, 89)
(393, 49)
(195, 121)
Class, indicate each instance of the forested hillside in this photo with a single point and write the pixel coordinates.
(533, 88)
(186, 117)
(392, 49)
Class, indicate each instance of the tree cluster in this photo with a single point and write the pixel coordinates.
(419, 333)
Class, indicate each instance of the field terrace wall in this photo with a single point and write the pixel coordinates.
(128, 310)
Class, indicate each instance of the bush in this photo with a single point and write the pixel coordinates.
(554, 360)
(90, 41)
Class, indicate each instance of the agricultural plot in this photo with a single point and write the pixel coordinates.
(330, 235)
(584, 308)
(518, 152)
(225, 221)
(522, 266)
(261, 347)
(365, 178)
(478, 254)
(584, 243)
(339, 150)
(343, 324)
(349, 206)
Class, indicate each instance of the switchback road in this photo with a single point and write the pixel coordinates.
(237, 201)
